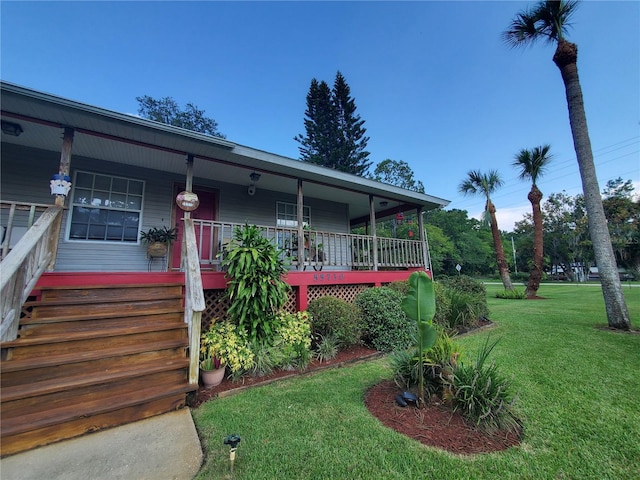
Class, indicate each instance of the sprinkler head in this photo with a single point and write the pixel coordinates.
(232, 440)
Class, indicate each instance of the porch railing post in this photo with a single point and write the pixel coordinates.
(372, 219)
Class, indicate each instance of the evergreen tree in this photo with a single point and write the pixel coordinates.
(335, 136)
(320, 126)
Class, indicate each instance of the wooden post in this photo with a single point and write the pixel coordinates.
(423, 241)
(372, 220)
(300, 226)
(185, 215)
(65, 160)
(63, 169)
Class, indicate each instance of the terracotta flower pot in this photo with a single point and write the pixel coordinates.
(211, 378)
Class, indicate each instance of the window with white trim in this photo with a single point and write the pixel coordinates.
(105, 208)
(287, 215)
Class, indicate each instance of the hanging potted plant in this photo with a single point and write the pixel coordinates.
(158, 240)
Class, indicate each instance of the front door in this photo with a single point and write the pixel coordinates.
(207, 210)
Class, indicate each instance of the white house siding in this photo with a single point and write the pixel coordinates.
(25, 177)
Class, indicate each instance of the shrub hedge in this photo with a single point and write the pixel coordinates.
(386, 327)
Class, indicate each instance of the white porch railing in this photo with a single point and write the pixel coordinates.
(321, 249)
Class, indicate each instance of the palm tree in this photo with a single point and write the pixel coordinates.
(548, 20)
(478, 183)
(532, 164)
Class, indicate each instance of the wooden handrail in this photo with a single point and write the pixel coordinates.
(22, 268)
(194, 302)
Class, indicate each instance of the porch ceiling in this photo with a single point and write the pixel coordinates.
(129, 140)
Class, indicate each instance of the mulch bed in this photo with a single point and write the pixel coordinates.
(436, 424)
(229, 387)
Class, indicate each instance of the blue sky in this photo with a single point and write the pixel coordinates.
(433, 81)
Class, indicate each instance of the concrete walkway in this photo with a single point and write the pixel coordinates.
(165, 447)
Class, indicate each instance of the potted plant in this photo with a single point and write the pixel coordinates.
(158, 240)
(224, 345)
(212, 371)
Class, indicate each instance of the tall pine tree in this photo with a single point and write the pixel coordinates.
(335, 136)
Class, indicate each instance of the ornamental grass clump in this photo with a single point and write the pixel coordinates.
(482, 394)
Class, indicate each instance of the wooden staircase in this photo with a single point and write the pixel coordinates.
(89, 358)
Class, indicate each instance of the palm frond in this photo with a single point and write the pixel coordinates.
(548, 20)
(533, 163)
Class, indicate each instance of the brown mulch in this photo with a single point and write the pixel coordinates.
(436, 424)
(229, 387)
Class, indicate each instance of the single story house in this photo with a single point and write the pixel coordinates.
(80, 292)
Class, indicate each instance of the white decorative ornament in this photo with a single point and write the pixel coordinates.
(60, 184)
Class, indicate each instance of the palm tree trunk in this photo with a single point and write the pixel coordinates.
(566, 58)
(501, 260)
(535, 195)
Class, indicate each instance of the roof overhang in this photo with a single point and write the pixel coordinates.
(126, 139)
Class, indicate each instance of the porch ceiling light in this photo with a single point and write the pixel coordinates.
(384, 203)
(11, 128)
(254, 177)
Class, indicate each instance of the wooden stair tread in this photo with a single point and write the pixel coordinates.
(83, 379)
(34, 421)
(95, 316)
(76, 357)
(91, 301)
(79, 333)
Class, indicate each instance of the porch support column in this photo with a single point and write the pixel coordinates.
(426, 259)
(300, 215)
(65, 160)
(63, 169)
(188, 185)
(189, 181)
(372, 220)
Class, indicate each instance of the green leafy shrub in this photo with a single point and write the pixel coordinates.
(465, 283)
(464, 309)
(331, 316)
(514, 294)
(293, 339)
(255, 291)
(443, 304)
(386, 326)
(400, 286)
(230, 344)
(482, 394)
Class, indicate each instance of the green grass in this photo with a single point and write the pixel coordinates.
(579, 400)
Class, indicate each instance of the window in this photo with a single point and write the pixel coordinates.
(105, 208)
(287, 215)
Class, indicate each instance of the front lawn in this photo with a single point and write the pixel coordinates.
(579, 400)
